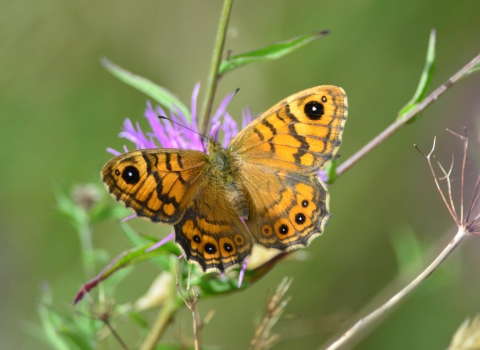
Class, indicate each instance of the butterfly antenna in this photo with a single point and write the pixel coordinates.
(215, 137)
(183, 126)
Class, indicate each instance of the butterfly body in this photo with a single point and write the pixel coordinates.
(262, 189)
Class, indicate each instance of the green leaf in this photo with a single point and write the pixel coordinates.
(425, 79)
(268, 53)
(331, 170)
(76, 340)
(103, 211)
(138, 240)
(407, 249)
(139, 320)
(474, 69)
(64, 330)
(149, 88)
(214, 284)
(127, 258)
(134, 238)
(49, 324)
(67, 208)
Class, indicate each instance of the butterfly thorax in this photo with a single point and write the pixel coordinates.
(224, 169)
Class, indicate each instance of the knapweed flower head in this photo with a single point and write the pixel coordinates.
(166, 134)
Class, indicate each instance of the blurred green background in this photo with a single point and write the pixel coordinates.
(60, 109)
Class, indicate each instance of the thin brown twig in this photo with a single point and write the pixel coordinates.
(427, 157)
(263, 339)
(395, 126)
(475, 197)
(464, 229)
(191, 301)
(165, 316)
(364, 322)
(447, 177)
(104, 316)
(106, 322)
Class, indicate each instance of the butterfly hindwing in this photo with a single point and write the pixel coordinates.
(210, 232)
(288, 210)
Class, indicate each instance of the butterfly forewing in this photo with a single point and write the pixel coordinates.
(156, 183)
(301, 133)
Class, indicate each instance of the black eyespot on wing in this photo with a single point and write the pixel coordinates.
(131, 175)
(324, 99)
(210, 248)
(300, 218)
(283, 229)
(197, 238)
(304, 203)
(117, 172)
(314, 110)
(239, 239)
(228, 247)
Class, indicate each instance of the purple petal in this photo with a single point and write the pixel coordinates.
(247, 117)
(113, 151)
(230, 129)
(129, 217)
(162, 242)
(220, 112)
(193, 108)
(155, 124)
(322, 174)
(242, 272)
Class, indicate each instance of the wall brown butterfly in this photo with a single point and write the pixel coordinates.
(262, 189)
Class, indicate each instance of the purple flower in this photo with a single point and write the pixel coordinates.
(166, 134)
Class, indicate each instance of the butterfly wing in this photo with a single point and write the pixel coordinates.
(211, 233)
(156, 183)
(278, 157)
(300, 133)
(288, 210)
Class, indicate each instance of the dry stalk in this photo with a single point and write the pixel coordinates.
(263, 339)
(465, 227)
(191, 300)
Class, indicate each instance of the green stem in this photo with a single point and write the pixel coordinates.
(399, 123)
(364, 322)
(216, 59)
(165, 316)
(85, 233)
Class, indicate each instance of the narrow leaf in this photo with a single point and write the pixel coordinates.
(474, 69)
(407, 249)
(127, 258)
(331, 170)
(268, 53)
(425, 79)
(149, 88)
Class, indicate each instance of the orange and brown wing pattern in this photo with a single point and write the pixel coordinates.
(156, 183)
(210, 232)
(300, 133)
(288, 209)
